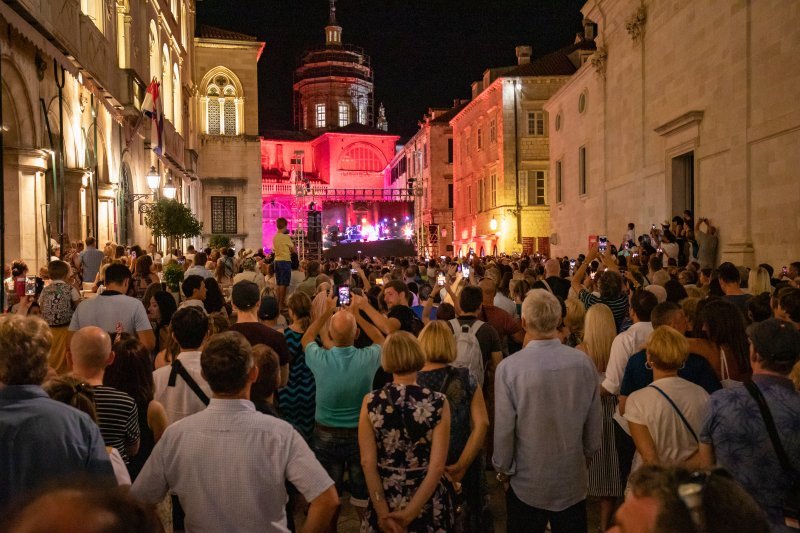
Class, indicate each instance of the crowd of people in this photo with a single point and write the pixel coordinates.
(264, 389)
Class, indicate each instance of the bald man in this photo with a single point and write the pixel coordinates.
(343, 375)
(117, 415)
(552, 277)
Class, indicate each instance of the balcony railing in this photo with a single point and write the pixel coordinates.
(323, 192)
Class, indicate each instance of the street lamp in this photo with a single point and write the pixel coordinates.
(493, 224)
(153, 179)
(169, 189)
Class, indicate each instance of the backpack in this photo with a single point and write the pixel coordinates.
(469, 353)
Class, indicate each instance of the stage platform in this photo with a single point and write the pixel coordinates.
(385, 248)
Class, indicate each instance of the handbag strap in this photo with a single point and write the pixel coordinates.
(178, 368)
(766, 414)
(680, 414)
(723, 364)
(448, 379)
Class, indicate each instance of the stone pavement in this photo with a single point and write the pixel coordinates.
(349, 523)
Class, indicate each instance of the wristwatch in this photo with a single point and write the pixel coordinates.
(501, 477)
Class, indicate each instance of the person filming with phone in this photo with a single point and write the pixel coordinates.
(343, 375)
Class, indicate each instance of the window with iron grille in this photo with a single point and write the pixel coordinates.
(223, 214)
(213, 116)
(344, 114)
(230, 117)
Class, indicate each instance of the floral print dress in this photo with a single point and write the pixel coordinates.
(403, 418)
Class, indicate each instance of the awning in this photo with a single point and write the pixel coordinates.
(36, 38)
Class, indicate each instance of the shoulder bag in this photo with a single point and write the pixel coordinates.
(678, 411)
(178, 368)
(791, 504)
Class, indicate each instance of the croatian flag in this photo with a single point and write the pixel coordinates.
(153, 108)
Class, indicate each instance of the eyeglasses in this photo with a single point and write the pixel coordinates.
(691, 494)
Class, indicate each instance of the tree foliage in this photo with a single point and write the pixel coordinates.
(172, 219)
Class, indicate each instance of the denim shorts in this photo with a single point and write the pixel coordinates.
(337, 451)
(283, 273)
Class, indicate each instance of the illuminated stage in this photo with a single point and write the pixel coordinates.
(362, 221)
(360, 250)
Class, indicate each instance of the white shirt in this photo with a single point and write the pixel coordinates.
(180, 401)
(198, 270)
(229, 465)
(624, 346)
(648, 407)
(250, 275)
(671, 249)
(505, 303)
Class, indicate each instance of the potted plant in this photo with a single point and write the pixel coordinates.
(173, 277)
(173, 220)
(219, 241)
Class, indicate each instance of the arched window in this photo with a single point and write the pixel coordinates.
(166, 84)
(223, 106)
(363, 157)
(177, 100)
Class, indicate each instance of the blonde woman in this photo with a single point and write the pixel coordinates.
(759, 282)
(469, 420)
(574, 321)
(665, 418)
(403, 436)
(605, 478)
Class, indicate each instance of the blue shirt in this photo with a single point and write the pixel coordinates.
(343, 376)
(736, 430)
(697, 370)
(547, 421)
(44, 441)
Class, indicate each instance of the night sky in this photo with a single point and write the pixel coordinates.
(425, 53)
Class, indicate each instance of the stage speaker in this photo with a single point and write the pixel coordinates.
(315, 226)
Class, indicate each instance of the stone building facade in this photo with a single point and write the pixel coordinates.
(77, 70)
(425, 166)
(684, 105)
(226, 109)
(501, 153)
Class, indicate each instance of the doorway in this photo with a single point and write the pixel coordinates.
(683, 183)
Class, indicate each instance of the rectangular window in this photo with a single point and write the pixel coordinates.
(223, 214)
(536, 187)
(480, 139)
(320, 118)
(450, 150)
(362, 114)
(469, 199)
(493, 131)
(450, 195)
(481, 194)
(493, 190)
(536, 123)
(425, 155)
(344, 114)
(582, 170)
(468, 145)
(558, 182)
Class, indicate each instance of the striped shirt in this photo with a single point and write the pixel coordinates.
(618, 305)
(117, 417)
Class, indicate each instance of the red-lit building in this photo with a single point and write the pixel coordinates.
(332, 166)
